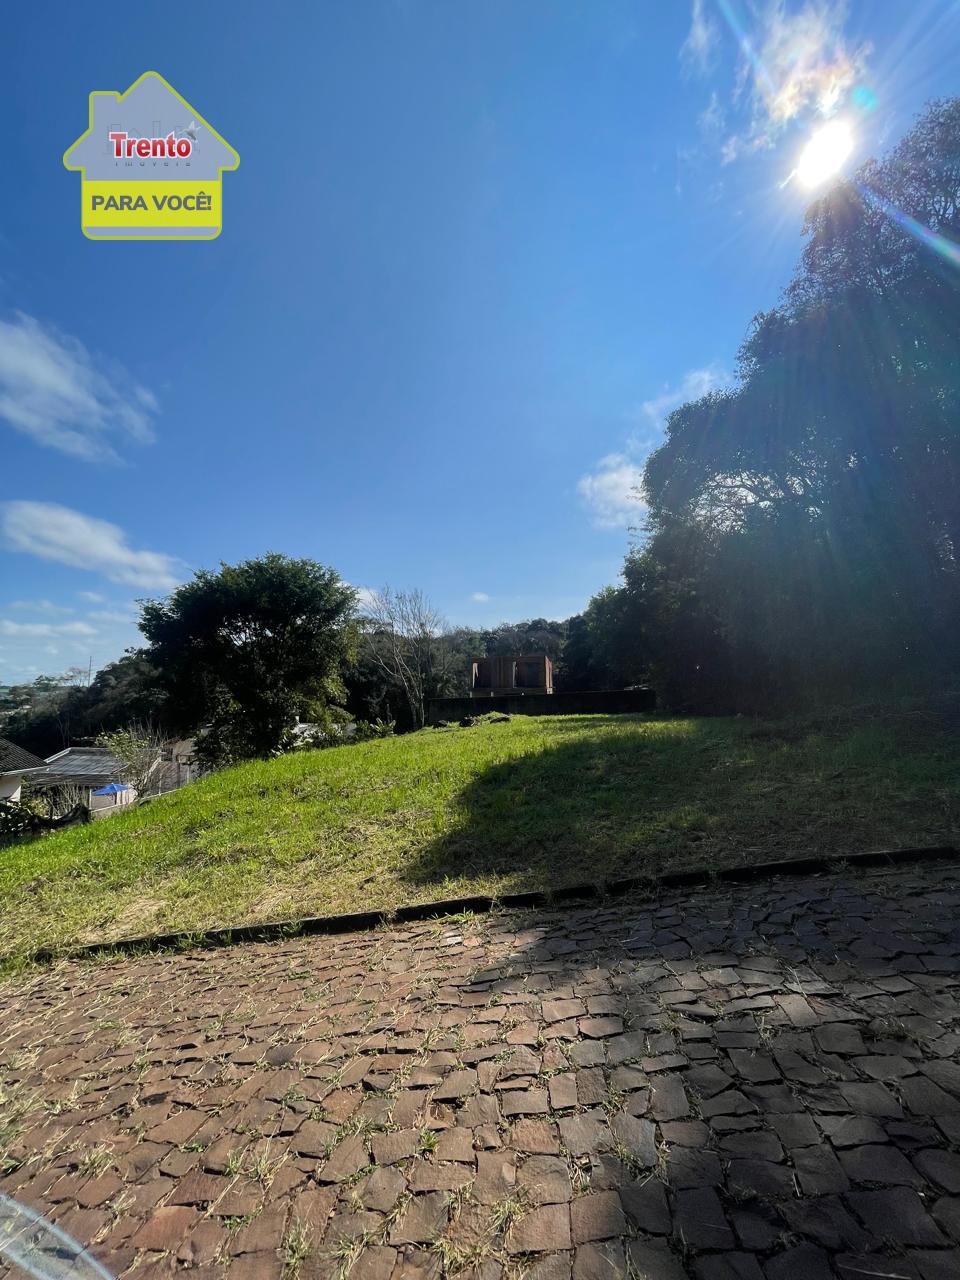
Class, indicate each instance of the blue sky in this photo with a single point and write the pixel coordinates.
(473, 254)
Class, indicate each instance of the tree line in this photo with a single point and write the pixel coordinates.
(801, 540)
(242, 657)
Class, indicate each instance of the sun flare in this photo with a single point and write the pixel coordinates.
(825, 153)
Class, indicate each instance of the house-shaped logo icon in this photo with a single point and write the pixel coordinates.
(150, 166)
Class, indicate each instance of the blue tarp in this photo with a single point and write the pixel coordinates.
(111, 789)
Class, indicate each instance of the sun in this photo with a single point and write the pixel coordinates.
(825, 153)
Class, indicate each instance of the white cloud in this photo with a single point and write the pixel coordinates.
(694, 384)
(699, 49)
(8, 628)
(480, 597)
(365, 596)
(94, 597)
(610, 491)
(57, 533)
(40, 606)
(53, 390)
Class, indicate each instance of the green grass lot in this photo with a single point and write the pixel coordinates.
(529, 803)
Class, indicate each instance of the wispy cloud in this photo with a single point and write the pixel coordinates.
(694, 384)
(610, 491)
(57, 533)
(45, 629)
(53, 390)
(698, 52)
(40, 606)
(480, 597)
(112, 615)
(93, 597)
(712, 118)
(794, 63)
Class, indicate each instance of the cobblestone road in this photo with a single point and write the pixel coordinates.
(754, 1082)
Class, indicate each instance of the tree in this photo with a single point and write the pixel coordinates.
(536, 635)
(55, 711)
(805, 526)
(403, 638)
(139, 750)
(246, 650)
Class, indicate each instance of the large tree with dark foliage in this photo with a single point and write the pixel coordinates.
(805, 526)
(242, 652)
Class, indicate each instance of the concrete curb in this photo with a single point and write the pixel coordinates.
(359, 921)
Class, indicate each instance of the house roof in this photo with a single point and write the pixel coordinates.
(13, 759)
(94, 765)
(148, 105)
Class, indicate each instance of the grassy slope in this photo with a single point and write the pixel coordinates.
(500, 807)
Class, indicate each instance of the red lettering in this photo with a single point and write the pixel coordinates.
(172, 146)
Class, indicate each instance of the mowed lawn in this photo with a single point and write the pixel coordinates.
(499, 807)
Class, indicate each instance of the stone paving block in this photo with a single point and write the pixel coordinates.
(728, 1266)
(868, 1266)
(759, 1178)
(165, 1229)
(802, 1262)
(898, 1215)
(818, 1171)
(536, 1136)
(604, 1260)
(390, 1148)
(553, 1266)
(936, 1264)
(645, 1204)
(496, 1176)
(687, 1167)
(596, 1216)
(872, 1100)
(421, 1221)
(346, 1159)
(758, 1227)
(563, 1092)
(839, 1038)
(668, 1098)
(875, 1163)
(650, 1260)
(541, 1230)
(525, 1102)
(544, 1180)
(637, 1137)
(922, 1097)
(946, 1213)
(942, 1168)
(825, 1222)
(700, 1222)
(585, 1133)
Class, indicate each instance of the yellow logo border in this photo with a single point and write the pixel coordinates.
(119, 97)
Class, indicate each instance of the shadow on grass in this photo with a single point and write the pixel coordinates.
(615, 795)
